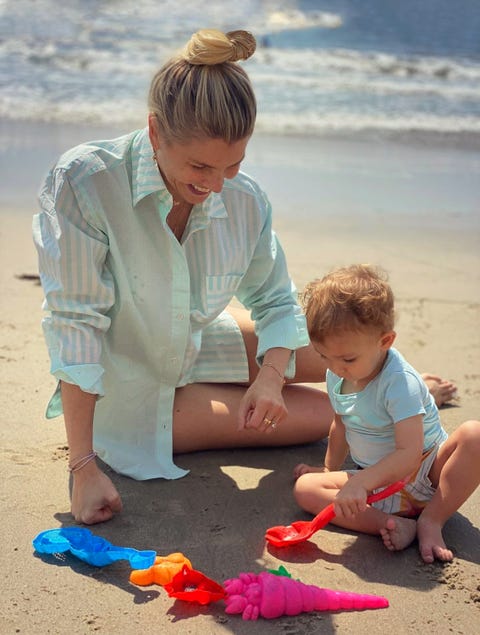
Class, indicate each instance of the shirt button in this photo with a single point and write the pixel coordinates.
(180, 316)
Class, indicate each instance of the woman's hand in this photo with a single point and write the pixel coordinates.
(262, 407)
(94, 496)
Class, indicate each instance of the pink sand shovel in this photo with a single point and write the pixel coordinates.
(301, 530)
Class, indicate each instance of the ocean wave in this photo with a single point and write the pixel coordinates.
(296, 19)
(350, 62)
(327, 85)
(130, 113)
(355, 123)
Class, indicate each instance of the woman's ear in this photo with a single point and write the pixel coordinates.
(387, 339)
(153, 132)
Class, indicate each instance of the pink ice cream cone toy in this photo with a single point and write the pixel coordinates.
(269, 596)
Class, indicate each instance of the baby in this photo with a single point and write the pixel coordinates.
(386, 418)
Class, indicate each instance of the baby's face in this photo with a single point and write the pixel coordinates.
(356, 356)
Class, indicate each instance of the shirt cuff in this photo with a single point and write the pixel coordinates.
(88, 377)
(284, 334)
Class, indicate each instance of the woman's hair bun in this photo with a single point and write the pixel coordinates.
(243, 44)
(210, 47)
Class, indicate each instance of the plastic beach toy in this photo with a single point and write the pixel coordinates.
(269, 596)
(301, 530)
(90, 548)
(162, 571)
(193, 586)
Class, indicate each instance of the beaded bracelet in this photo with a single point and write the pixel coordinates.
(275, 369)
(82, 462)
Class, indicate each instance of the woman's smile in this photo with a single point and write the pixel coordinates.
(197, 190)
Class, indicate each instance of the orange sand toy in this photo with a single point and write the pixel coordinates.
(162, 571)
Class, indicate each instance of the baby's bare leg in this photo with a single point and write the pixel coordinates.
(456, 475)
(314, 491)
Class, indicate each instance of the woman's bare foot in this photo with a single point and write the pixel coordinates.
(442, 390)
(398, 533)
(431, 543)
(303, 468)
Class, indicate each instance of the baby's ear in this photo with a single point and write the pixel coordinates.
(387, 339)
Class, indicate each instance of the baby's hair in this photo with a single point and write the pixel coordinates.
(204, 92)
(354, 298)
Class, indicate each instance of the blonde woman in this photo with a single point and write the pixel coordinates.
(143, 242)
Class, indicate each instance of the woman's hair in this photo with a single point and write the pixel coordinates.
(355, 298)
(203, 92)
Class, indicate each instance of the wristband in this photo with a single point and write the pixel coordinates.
(81, 462)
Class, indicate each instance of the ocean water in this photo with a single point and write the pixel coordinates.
(338, 66)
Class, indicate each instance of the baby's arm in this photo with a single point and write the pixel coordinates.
(336, 451)
(406, 457)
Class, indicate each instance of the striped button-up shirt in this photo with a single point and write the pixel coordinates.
(133, 313)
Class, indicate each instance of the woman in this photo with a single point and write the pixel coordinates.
(139, 259)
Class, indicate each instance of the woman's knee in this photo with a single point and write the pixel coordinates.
(309, 365)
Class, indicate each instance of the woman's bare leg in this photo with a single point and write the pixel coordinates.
(309, 366)
(443, 390)
(205, 418)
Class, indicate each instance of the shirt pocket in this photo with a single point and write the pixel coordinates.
(219, 290)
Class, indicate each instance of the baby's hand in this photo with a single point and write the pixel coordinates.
(351, 499)
(303, 468)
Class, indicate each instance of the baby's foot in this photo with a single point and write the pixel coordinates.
(442, 390)
(431, 543)
(398, 532)
(303, 468)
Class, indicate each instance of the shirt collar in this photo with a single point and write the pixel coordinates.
(146, 179)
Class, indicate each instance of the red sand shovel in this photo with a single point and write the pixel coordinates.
(301, 530)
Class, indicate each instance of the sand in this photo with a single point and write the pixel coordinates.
(413, 209)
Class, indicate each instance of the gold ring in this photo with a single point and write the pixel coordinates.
(267, 421)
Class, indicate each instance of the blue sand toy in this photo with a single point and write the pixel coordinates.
(90, 548)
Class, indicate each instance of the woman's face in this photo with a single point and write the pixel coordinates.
(194, 169)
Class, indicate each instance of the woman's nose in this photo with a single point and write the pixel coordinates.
(216, 182)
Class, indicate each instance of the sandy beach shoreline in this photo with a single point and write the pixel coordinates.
(413, 210)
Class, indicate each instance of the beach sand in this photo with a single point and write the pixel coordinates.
(411, 208)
